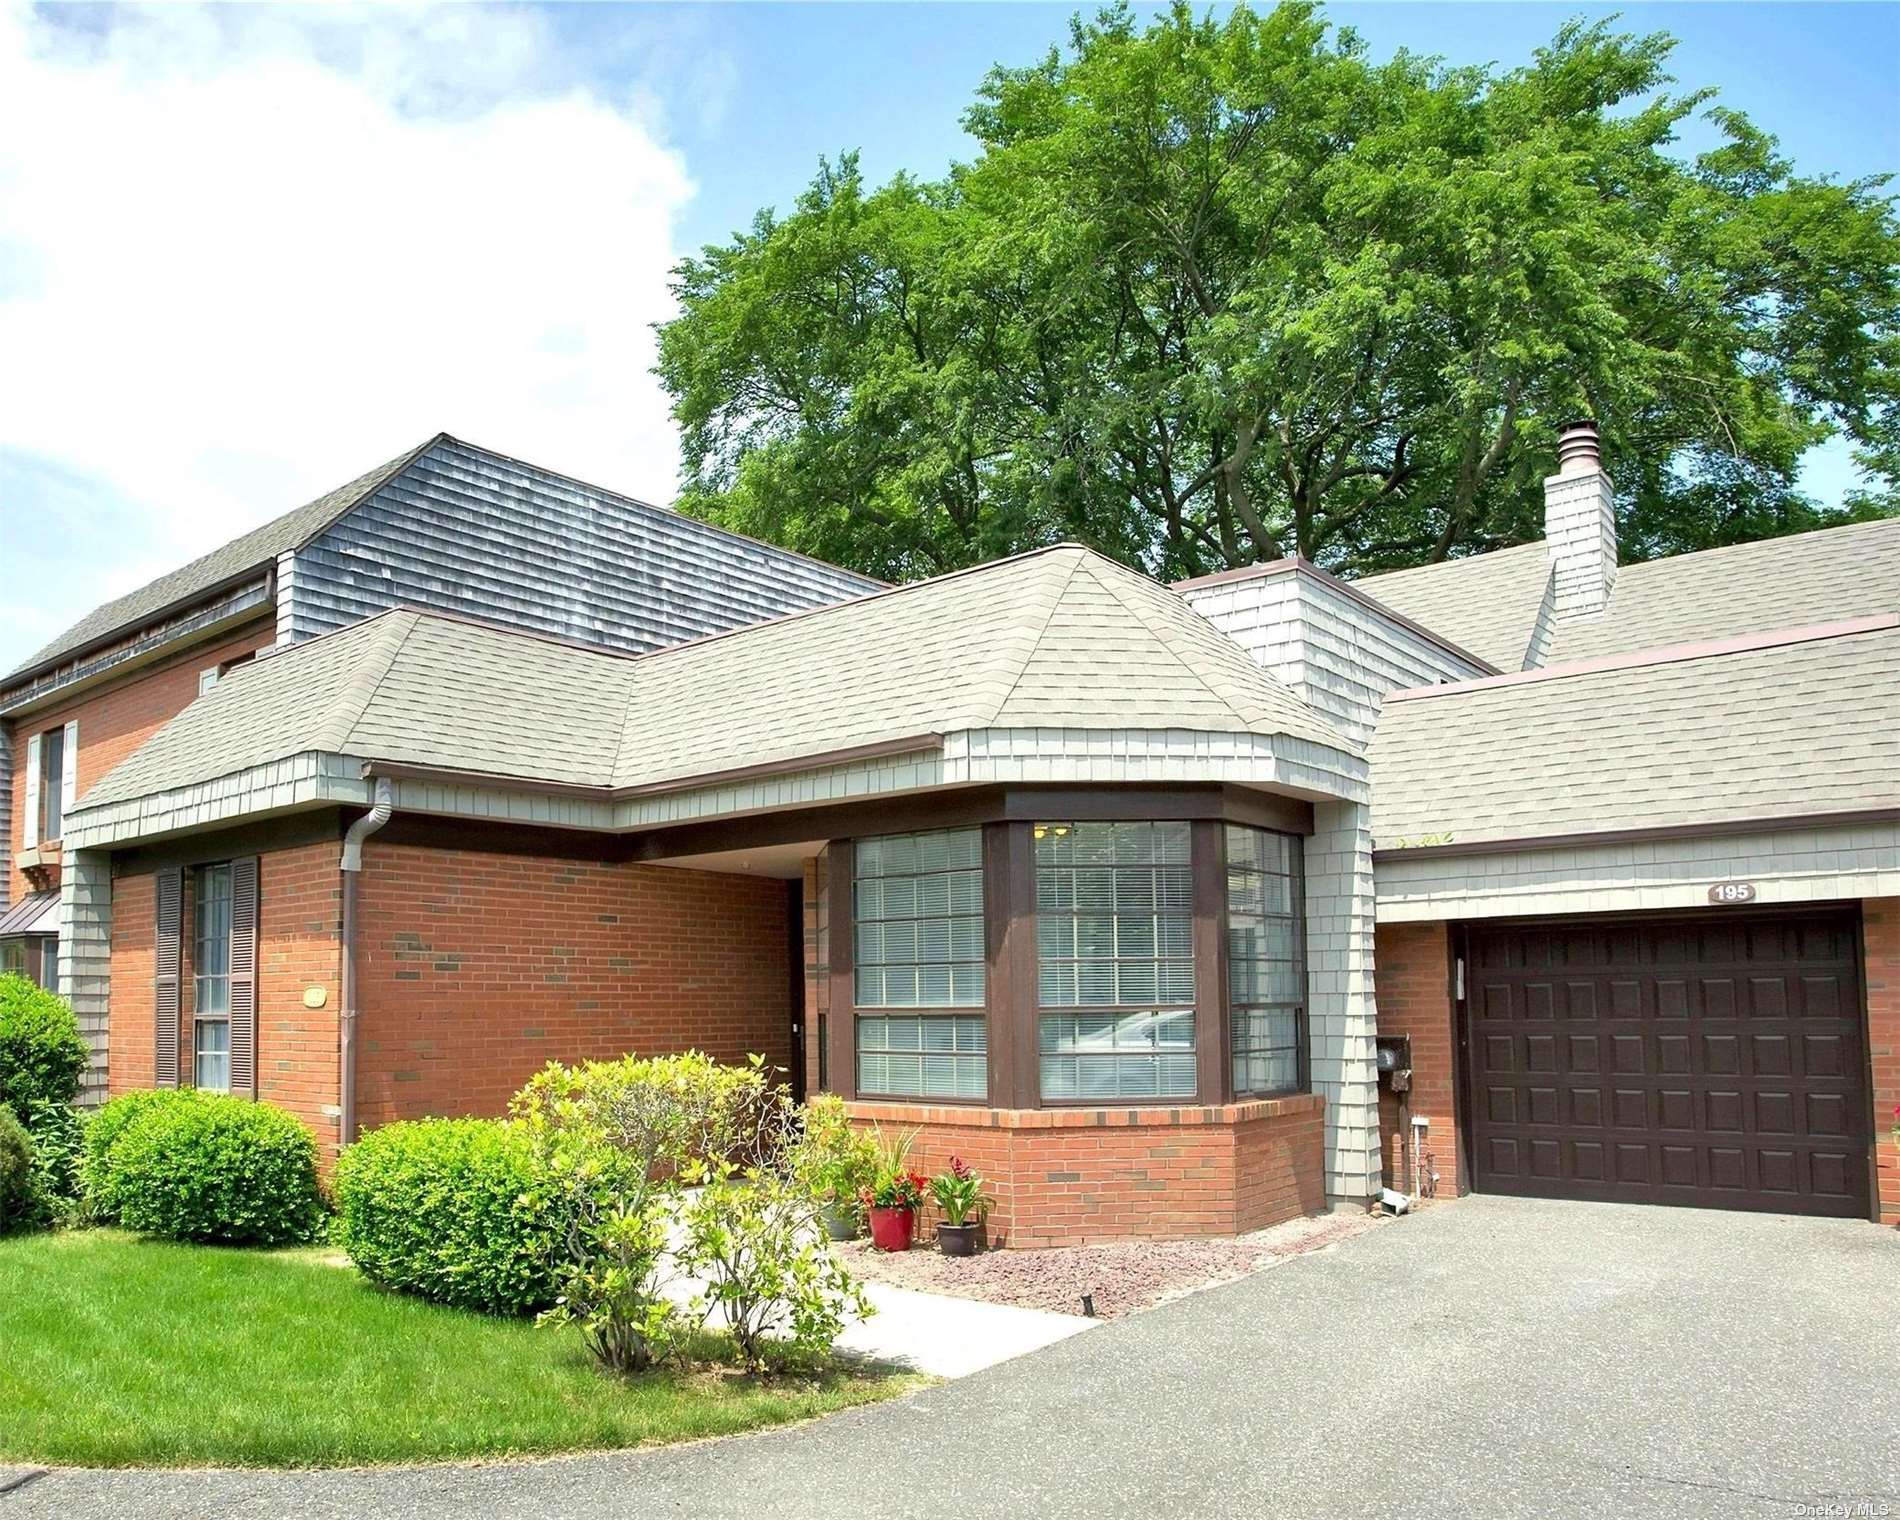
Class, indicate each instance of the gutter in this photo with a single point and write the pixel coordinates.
(352, 869)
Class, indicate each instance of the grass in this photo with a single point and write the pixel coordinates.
(116, 1351)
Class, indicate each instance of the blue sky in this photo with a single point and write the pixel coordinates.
(246, 254)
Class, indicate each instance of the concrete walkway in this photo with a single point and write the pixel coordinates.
(1488, 1357)
(952, 1337)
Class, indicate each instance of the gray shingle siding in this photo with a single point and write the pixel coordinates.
(466, 531)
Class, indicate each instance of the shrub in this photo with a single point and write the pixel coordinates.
(21, 1203)
(41, 1052)
(450, 1210)
(617, 1143)
(97, 1178)
(752, 1237)
(59, 1141)
(836, 1160)
(216, 1168)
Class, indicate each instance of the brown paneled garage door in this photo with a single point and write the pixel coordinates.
(1716, 1061)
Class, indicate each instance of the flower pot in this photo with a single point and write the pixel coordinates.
(893, 1229)
(957, 1239)
(841, 1221)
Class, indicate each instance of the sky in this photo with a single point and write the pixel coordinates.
(247, 253)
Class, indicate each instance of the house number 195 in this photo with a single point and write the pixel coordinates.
(1732, 892)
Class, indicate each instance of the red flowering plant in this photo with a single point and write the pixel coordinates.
(893, 1184)
(959, 1193)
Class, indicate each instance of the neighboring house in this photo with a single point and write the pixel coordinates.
(1071, 873)
(446, 525)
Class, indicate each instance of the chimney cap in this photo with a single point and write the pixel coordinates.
(1578, 452)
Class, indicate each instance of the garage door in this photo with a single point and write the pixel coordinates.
(1712, 1061)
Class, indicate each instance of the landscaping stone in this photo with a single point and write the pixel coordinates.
(1120, 1278)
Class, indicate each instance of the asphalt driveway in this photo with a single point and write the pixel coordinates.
(1492, 1357)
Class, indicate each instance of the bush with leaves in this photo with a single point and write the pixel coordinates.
(59, 1146)
(452, 1210)
(616, 1143)
(216, 1168)
(41, 1051)
(98, 1180)
(752, 1235)
(21, 1202)
(835, 1159)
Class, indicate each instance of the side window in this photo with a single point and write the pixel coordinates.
(211, 977)
(52, 783)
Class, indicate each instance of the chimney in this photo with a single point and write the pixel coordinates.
(1580, 525)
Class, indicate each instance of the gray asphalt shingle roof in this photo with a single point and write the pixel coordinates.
(250, 551)
(1487, 604)
(1060, 637)
(1796, 728)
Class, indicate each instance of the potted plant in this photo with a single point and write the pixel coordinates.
(893, 1196)
(959, 1194)
(838, 1163)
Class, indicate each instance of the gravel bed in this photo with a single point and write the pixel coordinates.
(1121, 1278)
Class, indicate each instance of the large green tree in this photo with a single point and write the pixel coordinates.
(1221, 290)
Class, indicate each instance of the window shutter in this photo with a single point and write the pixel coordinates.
(244, 976)
(69, 772)
(30, 825)
(170, 892)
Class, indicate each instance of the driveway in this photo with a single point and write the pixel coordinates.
(1493, 1357)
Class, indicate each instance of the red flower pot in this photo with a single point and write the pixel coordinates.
(893, 1229)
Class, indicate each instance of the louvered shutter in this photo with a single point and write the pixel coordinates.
(30, 825)
(69, 772)
(244, 977)
(170, 892)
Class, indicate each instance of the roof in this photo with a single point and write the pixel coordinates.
(1056, 638)
(36, 913)
(1806, 722)
(1486, 603)
(1771, 583)
(202, 576)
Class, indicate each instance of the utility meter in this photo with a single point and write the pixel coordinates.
(1395, 1062)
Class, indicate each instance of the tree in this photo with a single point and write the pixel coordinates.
(1219, 291)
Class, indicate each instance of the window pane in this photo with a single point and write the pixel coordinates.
(211, 1059)
(919, 936)
(211, 939)
(1266, 966)
(931, 1056)
(1115, 930)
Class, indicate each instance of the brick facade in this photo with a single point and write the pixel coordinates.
(1412, 985)
(1880, 931)
(115, 720)
(1067, 1176)
(299, 904)
(477, 969)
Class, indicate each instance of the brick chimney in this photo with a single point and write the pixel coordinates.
(1580, 525)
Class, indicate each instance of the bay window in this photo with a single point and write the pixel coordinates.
(918, 944)
(1115, 960)
(1266, 961)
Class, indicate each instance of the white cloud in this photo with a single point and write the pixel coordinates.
(247, 253)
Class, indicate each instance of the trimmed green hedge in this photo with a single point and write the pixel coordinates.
(96, 1176)
(21, 1203)
(450, 1210)
(41, 1052)
(208, 1167)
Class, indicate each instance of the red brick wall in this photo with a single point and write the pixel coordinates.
(477, 969)
(115, 720)
(1880, 930)
(299, 903)
(1412, 985)
(1078, 1176)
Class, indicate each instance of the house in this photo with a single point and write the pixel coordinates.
(446, 525)
(1174, 910)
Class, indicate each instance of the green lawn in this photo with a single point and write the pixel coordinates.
(119, 1351)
